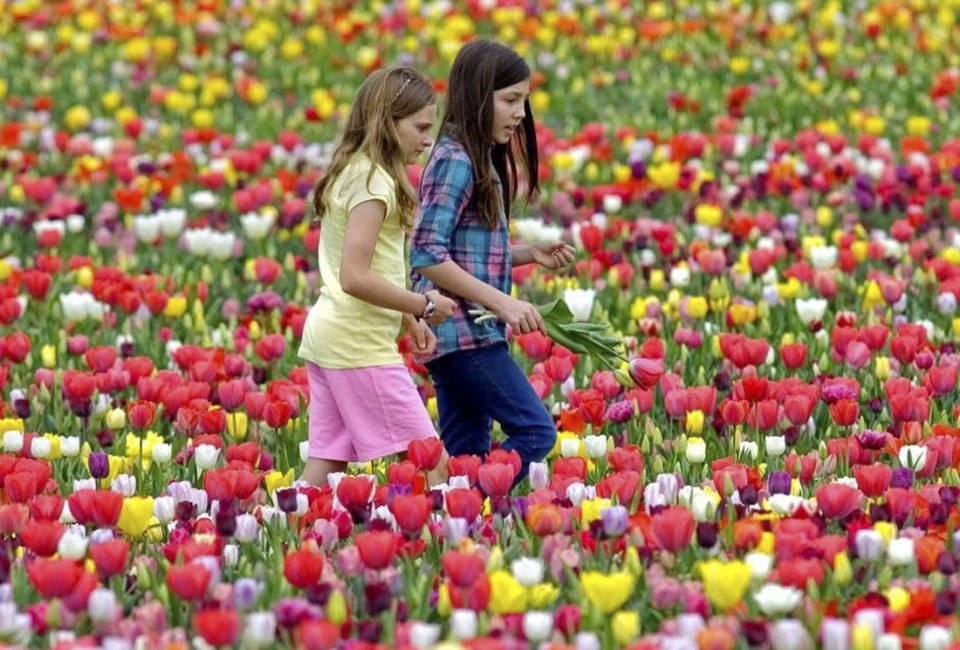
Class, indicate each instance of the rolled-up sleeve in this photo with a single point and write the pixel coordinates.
(445, 189)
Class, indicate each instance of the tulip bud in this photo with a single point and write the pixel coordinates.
(626, 626)
(116, 419)
(537, 626)
(337, 608)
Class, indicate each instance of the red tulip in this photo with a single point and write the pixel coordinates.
(267, 270)
(110, 556)
(355, 492)
(845, 412)
(17, 345)
(506, 456)
(496, 479)
(468, 466)
(574, 466)
(463, 569)
(793, 355)
(753, 388)
(271, 347)
(77, 386)
(734, 412)
(874, 479)
(46, 506)
(837, 500)
(673, 528)
(535, 345)
(464, 503)
(626, 458)
(377, 548)
(37, 283)
(623, 484)
(796, 572)
(20, 486)
(54, 578)
(189, 581)
(798, 408)
(302, 568)
(645, 373)
(319, 635)
(425, 453)
(101, 358)
(12, 518)
(227, 483)
(411, 512)
(231, 393)
(402, 473)
(218, 627)
(558, 367)
(41, 536)
(141, 414)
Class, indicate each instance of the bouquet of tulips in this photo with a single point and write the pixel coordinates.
(586, 338)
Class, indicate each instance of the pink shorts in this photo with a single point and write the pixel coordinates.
(360, 414)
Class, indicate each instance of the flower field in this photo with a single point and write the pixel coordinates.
(763, 198)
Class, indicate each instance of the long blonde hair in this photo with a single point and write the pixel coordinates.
(387, 95)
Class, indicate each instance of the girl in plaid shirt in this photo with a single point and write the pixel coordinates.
(461, 245)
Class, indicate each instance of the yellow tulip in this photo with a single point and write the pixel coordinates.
(543, 595)
(507, 596)
(237, 424)
(697, 307)
(135, 515)
(176, 307)
(590, 510)
(626, 626)
(725, 583)
(608, 592)
(665, 176)
(77, 118)
(694, 422)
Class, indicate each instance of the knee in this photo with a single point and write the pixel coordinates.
(544, 439)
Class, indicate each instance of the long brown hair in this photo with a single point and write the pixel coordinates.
(481, 67)
(387, 95)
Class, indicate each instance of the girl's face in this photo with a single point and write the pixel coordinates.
(508, 110)
(415, 132)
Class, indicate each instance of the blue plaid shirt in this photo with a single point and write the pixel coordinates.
(451, 228)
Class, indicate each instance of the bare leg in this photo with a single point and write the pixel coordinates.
(316, 470)
(439, 474)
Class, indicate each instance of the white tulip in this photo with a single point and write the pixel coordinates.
(776, 446)
(580, 302)
(424, 635)
(696, 451)
(934, 637)
(596, 446)
(69, 446)
(537, 626)
(913, 456)
(206, 456)
(12, 441)
(260, 629)
(900, 551)
(463, 624)
(40, 447)
(812, 310)
(528, 571)
(72, 545)
(777, 600)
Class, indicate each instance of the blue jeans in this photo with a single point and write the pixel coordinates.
(475, 387)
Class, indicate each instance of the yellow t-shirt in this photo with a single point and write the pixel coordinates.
(342, 331)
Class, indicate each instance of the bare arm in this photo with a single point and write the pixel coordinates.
(522, 316)
(359, 280)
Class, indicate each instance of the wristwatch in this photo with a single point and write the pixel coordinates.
(429, 310)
